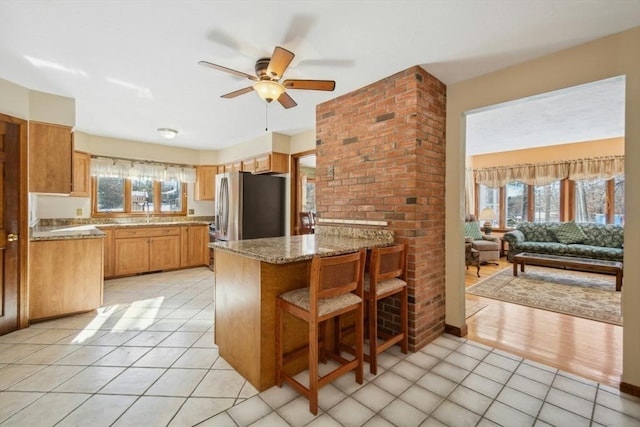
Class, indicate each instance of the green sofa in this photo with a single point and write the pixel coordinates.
(596, 241)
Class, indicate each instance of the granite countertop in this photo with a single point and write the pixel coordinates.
(69, 232)
(282, 250)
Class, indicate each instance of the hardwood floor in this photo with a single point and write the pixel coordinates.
(584, 347)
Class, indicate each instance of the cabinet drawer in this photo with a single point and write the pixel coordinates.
(146, 232)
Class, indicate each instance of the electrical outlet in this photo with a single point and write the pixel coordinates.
(191, 211)
(79, 212)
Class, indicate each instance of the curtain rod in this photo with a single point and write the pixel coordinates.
(148, 162)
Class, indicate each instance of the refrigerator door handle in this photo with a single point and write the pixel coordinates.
(224, 207)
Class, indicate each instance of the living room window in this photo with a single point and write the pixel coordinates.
(489, 198)
(517, 203)
(546, 200)
(598, 200)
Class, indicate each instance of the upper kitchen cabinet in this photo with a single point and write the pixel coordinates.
(233, 167)
(81, 174)
(205, 187)
(271, 163)
(50, 158)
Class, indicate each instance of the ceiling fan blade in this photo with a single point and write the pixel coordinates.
(328, 85)
(279, 62)
(237, 92)
(287, 101)
(227, 70)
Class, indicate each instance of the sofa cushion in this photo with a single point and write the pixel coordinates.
(472, 229)
(594, 252)
(608, 235)
(538, 232)
(486, 245)
(569, 232)
(550, 248)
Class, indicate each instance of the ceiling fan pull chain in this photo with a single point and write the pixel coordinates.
(266, 117)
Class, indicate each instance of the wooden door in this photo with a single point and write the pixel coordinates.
(9, 226)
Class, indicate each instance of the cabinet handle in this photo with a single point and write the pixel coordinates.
(11, 237)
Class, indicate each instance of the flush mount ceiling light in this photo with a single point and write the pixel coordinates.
(268, 89)
(167, 133)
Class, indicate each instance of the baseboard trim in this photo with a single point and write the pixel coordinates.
(631, 389)
(455, 330)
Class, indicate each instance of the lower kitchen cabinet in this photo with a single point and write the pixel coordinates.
(139, 250)
(65, 277)
(109, 267)
(195, 245)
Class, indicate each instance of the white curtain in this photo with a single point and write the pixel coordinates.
(603, 167)
(118, 168)
(470, 190)
(546, 173)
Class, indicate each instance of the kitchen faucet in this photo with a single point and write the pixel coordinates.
(146, 204)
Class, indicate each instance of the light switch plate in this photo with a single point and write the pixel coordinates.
(79, 212)
(191, 211)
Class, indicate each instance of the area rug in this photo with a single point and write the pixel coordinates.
(589, 295)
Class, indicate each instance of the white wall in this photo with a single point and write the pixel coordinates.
(14, 100)
(607, 57)
(48, 108)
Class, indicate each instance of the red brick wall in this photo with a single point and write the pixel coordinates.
(381, 156)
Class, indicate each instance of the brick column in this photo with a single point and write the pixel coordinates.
(381, 156)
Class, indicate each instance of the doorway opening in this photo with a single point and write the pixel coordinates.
(303, 188)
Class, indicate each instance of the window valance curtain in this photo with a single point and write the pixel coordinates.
(122, 168)
(546, 173)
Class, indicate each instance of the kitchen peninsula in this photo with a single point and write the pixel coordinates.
(249, 276)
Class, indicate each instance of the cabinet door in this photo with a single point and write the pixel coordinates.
(205, 188)
(164, 252)
(198, 250)
(263, 163)
(233, 167)
(272, 162)
(81, 174)
(109, 268)
(65, 277)
(50, 158)
(249, 165)
(131, 255)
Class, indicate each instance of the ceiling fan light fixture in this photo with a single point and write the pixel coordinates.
(268, 90)
(167, 133)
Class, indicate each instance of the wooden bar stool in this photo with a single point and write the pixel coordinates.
(336, 286)
(387, 277)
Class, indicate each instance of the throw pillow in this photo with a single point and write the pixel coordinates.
(569, 232)
(472, 229)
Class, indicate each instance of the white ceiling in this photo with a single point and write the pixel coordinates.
(581, 113)
(132, 66)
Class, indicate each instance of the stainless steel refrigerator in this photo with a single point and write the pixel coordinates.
(249, 206)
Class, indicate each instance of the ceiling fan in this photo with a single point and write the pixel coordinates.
(267, 84)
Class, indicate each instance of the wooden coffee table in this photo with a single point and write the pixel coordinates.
(584, 264)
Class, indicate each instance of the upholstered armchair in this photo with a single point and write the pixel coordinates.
(471, 257)
(488, 246)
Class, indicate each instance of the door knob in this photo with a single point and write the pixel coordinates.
(12, 237)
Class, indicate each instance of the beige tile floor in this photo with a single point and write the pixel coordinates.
(147, 358)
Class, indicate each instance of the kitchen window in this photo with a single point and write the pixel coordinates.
(135, 196)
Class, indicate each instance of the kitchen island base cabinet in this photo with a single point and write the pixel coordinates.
(245, 293)
(65, 277)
